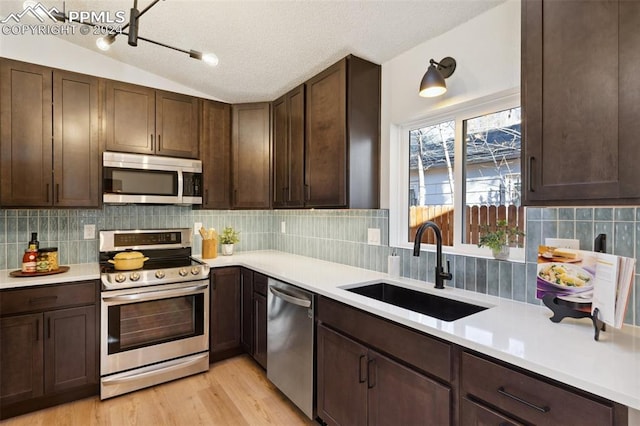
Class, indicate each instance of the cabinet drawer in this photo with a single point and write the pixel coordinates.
(260, 283)
(47, 297)
(528, 398)
(425, 353)
(474, 414)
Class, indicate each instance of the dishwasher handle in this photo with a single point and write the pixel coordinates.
(306, 303)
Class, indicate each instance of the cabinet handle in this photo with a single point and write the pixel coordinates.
(152, 144)
(307, 192)
(502, 391)
(371, 373)
(37, 330)
(47, 192)
(57, 193)
(235, 197)
(530, 174)
(48, 328)
(206, 196)
(159, 143)
(361, 374)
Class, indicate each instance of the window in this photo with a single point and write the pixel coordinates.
(459, 168)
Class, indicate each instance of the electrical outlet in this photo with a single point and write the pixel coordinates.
(373, 236)
(89, 232)
(196, 228)
(283, 227)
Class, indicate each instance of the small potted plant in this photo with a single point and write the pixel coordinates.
(227, 239)
(498, 240)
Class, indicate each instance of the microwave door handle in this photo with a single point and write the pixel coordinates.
(180, 185)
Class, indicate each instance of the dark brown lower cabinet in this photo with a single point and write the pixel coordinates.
(359, 386)
(254, 315)
(224, 329)
(50, 354)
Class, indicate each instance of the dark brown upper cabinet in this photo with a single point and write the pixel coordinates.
(288, 149)
(147, 121)
(50, 155)
(581, 102)
(251, 156)
(215, 149)
(342, 147)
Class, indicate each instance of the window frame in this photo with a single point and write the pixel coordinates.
(399, 173)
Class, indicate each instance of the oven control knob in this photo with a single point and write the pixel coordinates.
(135, 276)
(182, 272)
(195, 270)
(160, 274)
(120, 278)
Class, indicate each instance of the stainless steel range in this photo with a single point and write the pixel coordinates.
(154, 320)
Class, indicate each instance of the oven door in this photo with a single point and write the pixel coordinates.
(142, 326)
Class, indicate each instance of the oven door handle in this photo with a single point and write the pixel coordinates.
(153, 295)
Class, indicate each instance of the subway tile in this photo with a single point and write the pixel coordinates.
(603, 213)
(604, 228)
(519, 282)
(566, 214)
(623, 239)
(531, 275)
(566, 229)
(481, 275)
(469, 273)
(549, 214)
(533, 239)
(506, 285)
(493, 277)
(549, 230)
(533, 213)
(584, 233)
(625, 214)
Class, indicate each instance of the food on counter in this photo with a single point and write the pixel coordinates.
(564, 276)
(560, 252)
(47, 259)
(29, 261)
(34, 244)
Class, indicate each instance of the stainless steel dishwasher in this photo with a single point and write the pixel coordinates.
(290, 337)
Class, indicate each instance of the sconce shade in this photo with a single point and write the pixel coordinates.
(433, 83)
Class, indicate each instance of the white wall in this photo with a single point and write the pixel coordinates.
(487, 52)
(57, 53)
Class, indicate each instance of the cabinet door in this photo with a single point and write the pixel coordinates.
(295, 192)
(251, 156)
(76, 167)
(215, 150)
(325, 166)
(70, 348)
(474, 414)
(260, 329)
(342, 379)
(580, 118)
(280, 152)
(130, 122)
(21, 358)
(246, 337)
(288, 149)
(398, 395)
(25, 135)
(225, 311)
(176, 125)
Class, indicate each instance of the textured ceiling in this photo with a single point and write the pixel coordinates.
(267, 47)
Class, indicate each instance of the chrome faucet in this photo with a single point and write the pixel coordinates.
(440, 274)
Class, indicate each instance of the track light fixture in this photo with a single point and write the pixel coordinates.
(105, 42)
(432, 83)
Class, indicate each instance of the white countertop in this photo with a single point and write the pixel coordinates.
(515, 332)
(77, 272)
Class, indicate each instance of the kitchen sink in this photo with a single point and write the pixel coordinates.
(424, 303)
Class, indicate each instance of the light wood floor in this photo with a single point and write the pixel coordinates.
(233, 392)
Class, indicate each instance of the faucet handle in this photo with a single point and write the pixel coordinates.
(448, 274)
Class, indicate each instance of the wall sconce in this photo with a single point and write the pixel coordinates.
(432, 83)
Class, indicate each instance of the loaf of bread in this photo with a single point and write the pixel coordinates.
(560, 252)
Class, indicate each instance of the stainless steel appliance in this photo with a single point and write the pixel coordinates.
(154, 321)
(150, 179)
(290, 336)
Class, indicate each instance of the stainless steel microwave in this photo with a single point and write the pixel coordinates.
(150, 179)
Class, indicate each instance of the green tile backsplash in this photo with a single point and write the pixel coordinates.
(334, 235)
